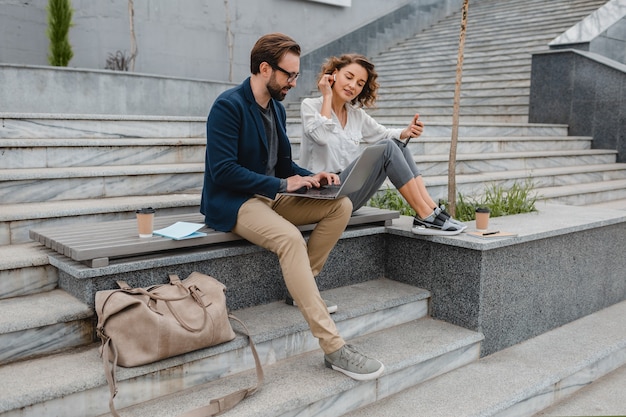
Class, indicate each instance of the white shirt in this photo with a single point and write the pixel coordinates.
(326, 146)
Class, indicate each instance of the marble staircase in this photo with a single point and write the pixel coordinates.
(70, 169)
(72, 383)
(496, 144)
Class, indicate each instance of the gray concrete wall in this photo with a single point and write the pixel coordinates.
(183, 61)
(583, 90)
(34, 89)
(603, 32)
(183, 39)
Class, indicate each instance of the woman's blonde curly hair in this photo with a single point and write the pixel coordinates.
(367, 97)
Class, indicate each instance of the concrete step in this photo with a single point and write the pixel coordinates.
(614, 204)
(412, 353)
(72, 383)
(601, 397)
(466, 129)
(524, 379)
(465, 145)
(17, 219)
(99, 126)
(584, 194)
(504, 161)
(31, 185)
(40, 324)
(544, 181)
(60, 152)
(25, 269)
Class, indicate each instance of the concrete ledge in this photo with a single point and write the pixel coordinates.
(566, 262)
(116, 92)
(254, 272)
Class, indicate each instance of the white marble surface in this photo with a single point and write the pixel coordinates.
(95, 126)
(593, 25)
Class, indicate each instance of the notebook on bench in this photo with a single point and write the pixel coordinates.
(354, 181)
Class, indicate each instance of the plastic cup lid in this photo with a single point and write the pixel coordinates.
(146, 210)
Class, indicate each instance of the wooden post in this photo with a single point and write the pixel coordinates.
(455, 115)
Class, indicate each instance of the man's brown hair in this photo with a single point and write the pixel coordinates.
(271, 48)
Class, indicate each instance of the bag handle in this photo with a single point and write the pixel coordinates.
(192, 292)
(216, 406)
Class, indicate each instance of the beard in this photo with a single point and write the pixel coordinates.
(275, 89)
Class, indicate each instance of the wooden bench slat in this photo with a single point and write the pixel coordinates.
(96, 243)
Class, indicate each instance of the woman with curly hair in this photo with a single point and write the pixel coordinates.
(334, 126)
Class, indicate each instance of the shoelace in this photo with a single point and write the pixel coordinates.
(351, 355)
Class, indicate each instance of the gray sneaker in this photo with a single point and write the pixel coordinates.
(351, 362)
(330, 306)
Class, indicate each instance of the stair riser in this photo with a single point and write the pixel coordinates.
(505, 164)
(463, 147)
(60, 189)
(587, 198)
(195, 372)
(423, 146)
(13, 128)
(473, 191)
(31, 343)
(53, 157)
(26, 281)
(492, 113)
(419, 102)
(445, 130)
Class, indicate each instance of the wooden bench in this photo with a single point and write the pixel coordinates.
(95, 244)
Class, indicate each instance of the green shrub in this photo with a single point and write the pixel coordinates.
(59, 23)
(520, 198)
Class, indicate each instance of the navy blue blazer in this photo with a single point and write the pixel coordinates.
(237, 155)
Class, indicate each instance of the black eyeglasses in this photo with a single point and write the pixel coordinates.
(291, 76)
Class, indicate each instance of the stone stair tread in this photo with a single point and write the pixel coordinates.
(27, 142)
(25, 211)
(614, 204)
(513, 155)
(304, 383)
(486, 177)
(583, 188)
(66, 373)
(22, 255)
(522, 379)
(98, 116)
(15, 174)
(38, 310)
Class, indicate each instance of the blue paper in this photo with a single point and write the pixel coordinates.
(181, 230)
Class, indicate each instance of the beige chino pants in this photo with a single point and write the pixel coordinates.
(271, 224)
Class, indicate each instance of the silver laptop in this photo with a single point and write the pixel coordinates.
(356, 178)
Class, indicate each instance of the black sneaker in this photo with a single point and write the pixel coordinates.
(442, 207)
(332, 307)
(353, 363)
(437, 224)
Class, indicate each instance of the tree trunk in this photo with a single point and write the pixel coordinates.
(455, 115)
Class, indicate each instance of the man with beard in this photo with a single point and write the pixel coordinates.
(249, 165)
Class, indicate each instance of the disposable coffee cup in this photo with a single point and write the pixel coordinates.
(482, 218)
(145, 221)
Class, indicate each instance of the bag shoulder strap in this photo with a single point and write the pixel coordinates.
(215, 407)
(221, 405)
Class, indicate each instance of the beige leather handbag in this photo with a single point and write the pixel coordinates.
(138, 326)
